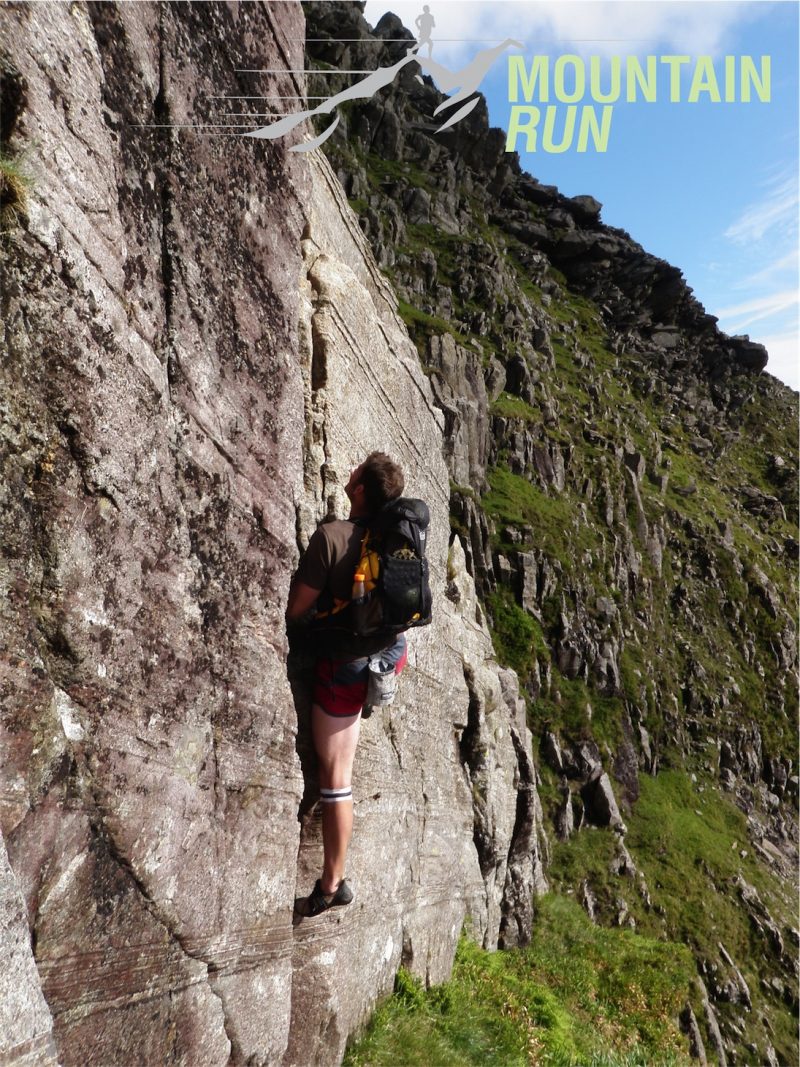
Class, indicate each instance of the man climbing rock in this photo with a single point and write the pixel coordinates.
(325, 579)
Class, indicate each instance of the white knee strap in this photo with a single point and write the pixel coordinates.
(333, 796)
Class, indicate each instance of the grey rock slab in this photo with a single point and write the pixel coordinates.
(26, 1025)
(601, 805)
(413, 863)
(690, 1027)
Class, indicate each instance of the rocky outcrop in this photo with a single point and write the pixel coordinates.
(496, 752)
(458, 385)
(198, 348)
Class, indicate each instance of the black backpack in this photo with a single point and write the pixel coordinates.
(396, 579)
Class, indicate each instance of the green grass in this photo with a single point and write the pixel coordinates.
(587, 855)
(578, 995)
(513, 407)
(380, 169)
(15, 185)
(556, 522)
(515, 634)
(422, 325)
(570, 714)
(688, 840)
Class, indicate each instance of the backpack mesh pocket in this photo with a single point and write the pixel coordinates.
(402, 582)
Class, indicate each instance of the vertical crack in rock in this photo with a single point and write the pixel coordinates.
(473, 758)
(219, 792)
(162, 115)
(517, 904)
(163, 166)
(14, 94)
(279, 44)
(390, 732)
(316, 451)
(298, 526)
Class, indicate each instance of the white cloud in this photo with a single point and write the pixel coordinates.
(584, 26)
(741, 315)
(767, 275)
(784, 357)
(764, 240)
(777, 208)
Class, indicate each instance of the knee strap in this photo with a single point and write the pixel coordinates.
(333, 796)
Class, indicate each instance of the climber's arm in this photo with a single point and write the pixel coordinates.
(302, 599)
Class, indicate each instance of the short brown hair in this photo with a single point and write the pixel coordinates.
(382, 479)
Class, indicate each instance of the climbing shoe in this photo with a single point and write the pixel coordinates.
(318, 901)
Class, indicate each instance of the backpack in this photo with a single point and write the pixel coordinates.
(396, 577)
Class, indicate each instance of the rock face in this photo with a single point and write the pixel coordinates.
(153, 429)
(423, 829)
(198, 348)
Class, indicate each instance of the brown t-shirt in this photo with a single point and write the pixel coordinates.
(329, 564)
(331, 558)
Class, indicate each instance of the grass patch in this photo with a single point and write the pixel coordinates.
(516, 636)
(380, 170)
(556, 522)
(578, 994)
(420, 324)
(513, 407)
(587, 855)
(690, 844)
(688, 840)
(14, 188)
(571, 716)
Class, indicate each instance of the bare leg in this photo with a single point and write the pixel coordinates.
(335, 740)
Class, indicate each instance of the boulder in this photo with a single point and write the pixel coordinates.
(584, 209)
(748, 354)
(600, 803)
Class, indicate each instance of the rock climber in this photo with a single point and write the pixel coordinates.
(341, 671)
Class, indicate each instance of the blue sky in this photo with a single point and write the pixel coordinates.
(713, 188)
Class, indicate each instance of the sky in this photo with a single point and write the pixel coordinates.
(710, 187)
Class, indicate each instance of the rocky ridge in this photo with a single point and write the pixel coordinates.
(623, 476)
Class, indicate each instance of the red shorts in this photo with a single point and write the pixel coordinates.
(340, 686)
